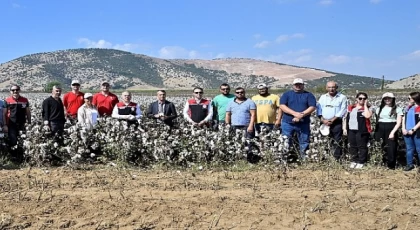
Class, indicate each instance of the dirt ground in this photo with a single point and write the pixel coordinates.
(111, 198)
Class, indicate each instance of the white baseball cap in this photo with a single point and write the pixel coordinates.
(324, 130)
(75, 82)
(261, 86)
(391, 95)
(87, 95)
(298, 81)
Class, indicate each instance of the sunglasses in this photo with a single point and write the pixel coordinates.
(224, 89)
(362, 98)
(198, 92)
(240, 92)
(75, 85)
(15, 90)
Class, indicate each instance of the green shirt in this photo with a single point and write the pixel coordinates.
(384, 116)
(220, 102)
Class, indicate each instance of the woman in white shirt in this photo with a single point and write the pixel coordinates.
(388, 118)
(87, 115)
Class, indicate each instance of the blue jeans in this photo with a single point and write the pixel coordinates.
(412, 144)
(303, 132)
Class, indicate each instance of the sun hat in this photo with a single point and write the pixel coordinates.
(391, 95)
(324, 130)
(298, 81)
(87, 95)
(261, 86)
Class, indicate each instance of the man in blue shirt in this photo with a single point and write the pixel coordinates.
(240, 113)
(297, 106)
(331, 109)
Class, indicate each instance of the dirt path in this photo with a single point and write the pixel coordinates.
(135, 199)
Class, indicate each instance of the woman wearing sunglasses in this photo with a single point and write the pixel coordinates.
(358, 130)
(410, 129)
(388, 118)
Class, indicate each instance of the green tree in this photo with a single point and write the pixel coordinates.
(48, 87)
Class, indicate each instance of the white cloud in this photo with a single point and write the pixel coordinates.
(262, 44)
(326, 2)
(15, 5)
(412, 56)
(375, 1)
(105, 44)
(172, 52)
(291, 57)
(220, 55)
(285, 37)
(257, 36)
(337, 59)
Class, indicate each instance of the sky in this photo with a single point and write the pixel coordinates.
(362, 37)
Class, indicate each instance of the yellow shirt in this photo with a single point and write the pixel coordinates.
(267, 108)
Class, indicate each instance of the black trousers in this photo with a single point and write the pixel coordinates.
(336, 137)
(358, 146)
(14, 129)
(389, 146)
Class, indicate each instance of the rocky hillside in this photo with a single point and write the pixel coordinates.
(134, 71)
(411, 82)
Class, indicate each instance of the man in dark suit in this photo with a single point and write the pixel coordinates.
(162, 110)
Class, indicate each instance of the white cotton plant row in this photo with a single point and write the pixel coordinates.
(151, 143)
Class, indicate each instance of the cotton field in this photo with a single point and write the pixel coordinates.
(112, 141)
(116, 177)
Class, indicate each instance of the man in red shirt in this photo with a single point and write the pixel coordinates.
(105, 101)
(18, 114)
(73, 100)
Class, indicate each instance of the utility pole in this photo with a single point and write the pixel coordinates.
(383, 83)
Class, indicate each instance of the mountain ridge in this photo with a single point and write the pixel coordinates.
(125, 70)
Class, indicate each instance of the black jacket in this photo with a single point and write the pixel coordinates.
(169, 111)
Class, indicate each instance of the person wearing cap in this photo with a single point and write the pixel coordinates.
(268, 109)
(198, 110)
(53, 112)
(220, 103)
(162, 110)
(331, 109)
(127, 110)
(388, 121)
(73, 100)
(358, 129)
(87, 114)
(297, 105)
(411, 129)
(105, 101)
(17, 114)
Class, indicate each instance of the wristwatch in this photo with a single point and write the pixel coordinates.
(413, 130)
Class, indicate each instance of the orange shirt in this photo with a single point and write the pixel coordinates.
(72, 102)
(105, 104)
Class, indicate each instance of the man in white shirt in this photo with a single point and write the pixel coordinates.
(331, 109)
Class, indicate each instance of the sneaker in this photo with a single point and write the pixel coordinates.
(353, 165)
(408, 168)
(359, 166)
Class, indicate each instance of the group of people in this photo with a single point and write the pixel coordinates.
(262, 112)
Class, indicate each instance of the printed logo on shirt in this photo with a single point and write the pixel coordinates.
(204, 106)
(263, 102)
(23, 106)
(132, 108)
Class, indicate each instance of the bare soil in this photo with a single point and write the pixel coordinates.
(114, 198)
